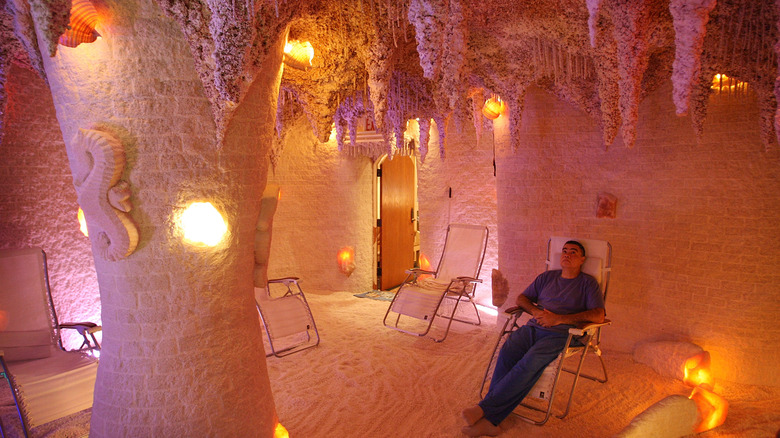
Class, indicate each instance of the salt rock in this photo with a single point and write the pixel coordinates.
(675, 416)
(667, 358)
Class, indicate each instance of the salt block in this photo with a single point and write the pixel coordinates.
(667, 358)
(673, 417)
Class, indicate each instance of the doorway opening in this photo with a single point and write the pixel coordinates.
(397, 230)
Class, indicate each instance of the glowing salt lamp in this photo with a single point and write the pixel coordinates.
(493, 108)
(298, 54)
(82, 222)
(712, 408)
(424, 263)
(346, 260)
(280, 431)
(203, 224)
(697, 371)
(81, 28)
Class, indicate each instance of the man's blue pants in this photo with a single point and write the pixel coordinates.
(520, 363)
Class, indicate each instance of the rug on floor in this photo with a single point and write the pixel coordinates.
(379, 295)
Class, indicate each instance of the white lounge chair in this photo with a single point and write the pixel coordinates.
(47, 382)
(422, 293)
(287, 319)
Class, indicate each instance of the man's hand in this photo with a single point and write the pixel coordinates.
(545, 318)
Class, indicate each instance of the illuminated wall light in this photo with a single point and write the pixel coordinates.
(280, 431)
(82, 222)
(493, 107)
(724, 84)
(346, 260)
(712, 408)
(697, 372)
(203, 224)
(81, 29)
(298, 54)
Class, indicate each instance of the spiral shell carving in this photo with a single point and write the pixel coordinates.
(81, 29)
(98, 159)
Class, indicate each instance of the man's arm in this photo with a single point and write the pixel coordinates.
(528, 306)
(545, 318)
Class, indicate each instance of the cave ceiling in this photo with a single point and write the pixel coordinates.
(440, 59)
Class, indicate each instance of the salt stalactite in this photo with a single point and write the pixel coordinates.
(767, 107)
(425, 129)
(98, 160)
(52, 18)
(441, 126)
(777, 78)
(516, 107)
(607, 85)
(428, 18)
(5, 64)
(594, 8)
(630, 20)
(690, 22)
(477, 96)
(21, 28)
(700, 94)
(379, 69)
(454, 54)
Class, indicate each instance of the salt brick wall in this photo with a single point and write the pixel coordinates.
(696, 233)
(468, 169)
(38, 201)
(326, 204)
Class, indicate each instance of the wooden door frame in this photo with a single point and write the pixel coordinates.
(377, 199)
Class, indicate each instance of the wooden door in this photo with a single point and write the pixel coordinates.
(396, 247)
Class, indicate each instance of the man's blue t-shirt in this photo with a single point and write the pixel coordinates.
(564, 295)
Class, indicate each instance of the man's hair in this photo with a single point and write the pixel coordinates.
(574, 242)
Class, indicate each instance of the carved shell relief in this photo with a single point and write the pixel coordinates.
(98, 160)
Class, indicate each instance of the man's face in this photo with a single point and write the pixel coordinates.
(571, 256)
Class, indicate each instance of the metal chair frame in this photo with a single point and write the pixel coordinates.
(294, 291)
(461, 288)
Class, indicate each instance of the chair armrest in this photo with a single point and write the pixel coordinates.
(589, 327)
(516, 310)
(284, 280)
(418, 271)
(86, 330)
(467, 279)
(80, 326)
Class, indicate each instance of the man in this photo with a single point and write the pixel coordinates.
(557, 300)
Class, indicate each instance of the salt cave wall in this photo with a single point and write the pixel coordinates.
(467, 169)
(326, 204)
(38, 203)
(696, 230)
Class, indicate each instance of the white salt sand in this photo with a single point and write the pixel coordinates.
(365, 380)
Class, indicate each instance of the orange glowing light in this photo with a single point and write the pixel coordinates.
(298, 54)
(346, 260)
(280, 431)
(712, 408)
(493, 108)
(424, 263)
(724, 84)
(82, 222)
(697, 371)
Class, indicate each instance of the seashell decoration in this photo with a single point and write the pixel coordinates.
(298, 54)
(81, 29)
(493, 108)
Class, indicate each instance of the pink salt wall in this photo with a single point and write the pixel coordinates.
(696, 233)
(326, 204)
(38, 202)
(468, 169)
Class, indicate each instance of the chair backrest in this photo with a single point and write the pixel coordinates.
(24, 297)
(598, 258)
(464, 250)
